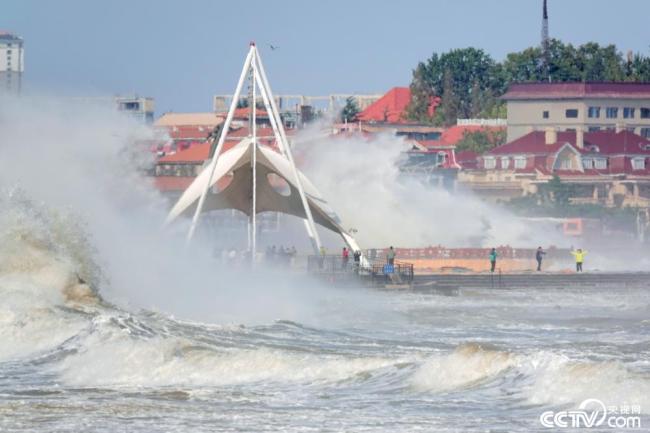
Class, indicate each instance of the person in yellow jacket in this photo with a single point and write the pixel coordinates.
(580, 257)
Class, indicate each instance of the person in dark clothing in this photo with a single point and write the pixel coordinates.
(357, 260)
(493, 259)
(539, 255)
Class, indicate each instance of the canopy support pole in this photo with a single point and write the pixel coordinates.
(222, 138)
(274, 116)
(254, 165)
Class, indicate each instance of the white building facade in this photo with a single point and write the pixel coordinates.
(12, 62)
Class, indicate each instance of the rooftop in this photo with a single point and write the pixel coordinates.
(390, 108)
(604, 142)
(6, 36)
(575, 90)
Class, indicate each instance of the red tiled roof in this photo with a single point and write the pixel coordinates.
(391, 107)
(611, 143)
(577, 90)
(534, 142)
(198, 153)
(607, 142)
(243, 132)
(195, 154)
(467, 159)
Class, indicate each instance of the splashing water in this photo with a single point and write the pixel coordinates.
(81, 267)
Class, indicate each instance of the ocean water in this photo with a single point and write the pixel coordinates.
(353, 360)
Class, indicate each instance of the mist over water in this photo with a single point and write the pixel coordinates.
(109, 324)
(361, 179)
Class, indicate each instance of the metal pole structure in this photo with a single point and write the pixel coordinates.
(303, 197)
(254, 162)
(278, 139)
(222, 138)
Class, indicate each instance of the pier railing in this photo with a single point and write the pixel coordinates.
(336, 268)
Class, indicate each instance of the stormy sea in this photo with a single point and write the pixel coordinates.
(329, 359)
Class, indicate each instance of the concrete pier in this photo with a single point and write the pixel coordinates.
(537, 280)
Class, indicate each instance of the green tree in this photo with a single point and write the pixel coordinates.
(421, 95)
(481, 141)
(350, 110)
(637, 68)
(475, 81)
(557, 193)
(455, 73)
(448, 110)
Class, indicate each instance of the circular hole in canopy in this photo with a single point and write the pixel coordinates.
(278, 184)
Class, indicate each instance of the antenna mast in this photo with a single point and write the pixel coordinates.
(545, 43)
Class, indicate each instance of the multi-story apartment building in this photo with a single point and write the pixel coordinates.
(578, 106)
(12, 62)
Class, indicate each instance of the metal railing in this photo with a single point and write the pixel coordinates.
(336, 268)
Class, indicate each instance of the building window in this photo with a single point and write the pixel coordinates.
(520, 162)
(628, 112)
(441, 159)
(600, 163)
(645, 113)
(593, 128)
(489, 163)
(638, 163)
(645, 132)
(505, 162)
(572, 113)
(594, 112)
(612, 112)
(545, 114)
(566, 164)
(588, 163)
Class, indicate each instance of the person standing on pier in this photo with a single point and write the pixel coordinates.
(321, 259)
(357, 260)
(539, 255)
(580, 257)
(493, 259)
(390, 256)
(345, 257)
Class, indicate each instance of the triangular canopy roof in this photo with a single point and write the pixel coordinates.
(250, 190)
(237, 163)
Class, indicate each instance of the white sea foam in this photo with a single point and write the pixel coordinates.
(559, 380)
(468, 365)
(39, 272)
(543, 378)
(119, 360)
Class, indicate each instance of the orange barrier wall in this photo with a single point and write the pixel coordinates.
(423, 266)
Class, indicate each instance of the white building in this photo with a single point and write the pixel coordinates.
(12, 62)
(140, 108)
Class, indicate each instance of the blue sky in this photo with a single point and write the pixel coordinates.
(183, 52)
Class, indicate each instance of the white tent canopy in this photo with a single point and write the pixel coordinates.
(236, 163)
(248, 167)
